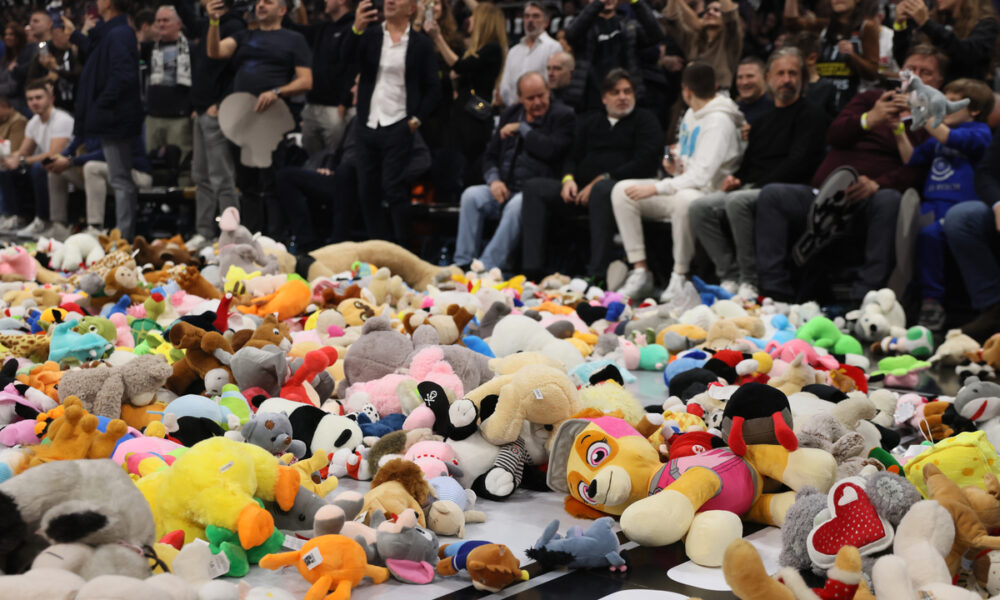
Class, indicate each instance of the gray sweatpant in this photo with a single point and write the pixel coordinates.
(734, 256)
(93, 178)
(212, 172)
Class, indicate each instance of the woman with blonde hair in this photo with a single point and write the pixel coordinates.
(965, 30)
(475, 73)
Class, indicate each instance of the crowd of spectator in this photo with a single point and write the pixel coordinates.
(728, 119)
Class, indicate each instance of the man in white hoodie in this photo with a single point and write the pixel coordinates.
(710, 148)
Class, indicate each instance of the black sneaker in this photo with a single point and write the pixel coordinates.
(932, 315)
(985, 325)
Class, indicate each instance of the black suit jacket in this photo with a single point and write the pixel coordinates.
(423, 90)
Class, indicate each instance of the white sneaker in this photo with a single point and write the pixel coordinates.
(638, 284)
(674, 288)
(616, 273)
(12, 223)
(56, 231)
(197, 242)
(34, 229)
(730, 286)
(747, 292)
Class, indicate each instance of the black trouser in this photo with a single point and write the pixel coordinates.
(258, 206)
(319, 206)
(383, 158)
(542, 200)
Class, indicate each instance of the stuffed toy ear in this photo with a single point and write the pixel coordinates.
(786, 437)
(580, 510)
(736, 442)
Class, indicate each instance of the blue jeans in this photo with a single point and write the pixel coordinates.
(972, 236)
(477, 206)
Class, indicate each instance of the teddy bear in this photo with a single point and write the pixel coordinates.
(732, 333)
(607, 467)
(448, 325)
(103, 390)
(80, 249)
(90, 502)
(206, 361)
(273, 432)
(337, 258)
(520, 333)
(880, 315)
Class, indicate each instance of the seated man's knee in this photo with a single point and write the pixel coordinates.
(967, 216)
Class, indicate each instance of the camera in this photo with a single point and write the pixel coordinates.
(240, 5)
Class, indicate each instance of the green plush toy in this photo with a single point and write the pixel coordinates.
(99, 325)
(228, 542)
(900, 365)
(653, 357)
(823, 333)
(232, 399)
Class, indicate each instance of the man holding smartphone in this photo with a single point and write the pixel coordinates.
(398, 89)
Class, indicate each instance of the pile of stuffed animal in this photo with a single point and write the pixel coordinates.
(169, 421)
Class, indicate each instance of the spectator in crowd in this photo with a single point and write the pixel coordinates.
(14, 41)
(750, 87)
(713, 36)
(861, 137)
(965, 30)
(12, 124)
(168, 95)
(621, 143)
(786, 144)
(108, 104)
(87, 171)
(145, 26)
(531, 140)
(398, 89)
(972, 230)
(436, 128)
(328, 103)
(559, 71)
(476, 74)
(273, 64)
(45, 135)
(530, 54)
(40, 28)
(60, 65)
(710, 149)
(212, 165)
(604, 37)
(820, 91)
(849, 46)
(953, 150)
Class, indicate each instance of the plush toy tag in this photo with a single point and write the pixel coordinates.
(226, 467)
(538, 394)
(294, 543)
(218, 565)
(312, 559)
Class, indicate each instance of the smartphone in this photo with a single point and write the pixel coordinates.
(90, 10)
(890, 84)
(377, 5)
(56, 16)
(48, 160)
(43, 49)
(429, 12)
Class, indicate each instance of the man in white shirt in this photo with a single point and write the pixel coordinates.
(530, 54)
(45, 136)
(398, 87)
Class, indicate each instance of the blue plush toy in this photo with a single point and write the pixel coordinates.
(596, 547)
(709, 293)
(476, 344)
(381, 426)
(691, 359)
(67, 345)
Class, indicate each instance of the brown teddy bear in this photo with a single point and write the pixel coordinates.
(449, 326)
(270, 332)
(122, 280)
(74, 435)
(337, 258)
(206, 359)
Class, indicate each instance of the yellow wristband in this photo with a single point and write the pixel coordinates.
(213, 22)
(355, 30)
(899, 25)
(567, 178)
(864, 122)
(900, 129)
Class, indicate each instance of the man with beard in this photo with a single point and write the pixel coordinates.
(530, 54)
(785, 145)
(860, 137)
(621, 143)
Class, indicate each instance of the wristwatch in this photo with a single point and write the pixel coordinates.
(277, 92)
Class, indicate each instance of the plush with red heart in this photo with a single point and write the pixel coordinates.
(850, 520)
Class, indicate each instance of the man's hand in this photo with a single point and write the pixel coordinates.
(59, 164)
(730, 183)
(584, 196)
(887, 107)
(672, 63)
(341, 111)
(414, 124)
(863, 189)
(88, 23)
(326, 172)
(69, 26)
(568, 192)
(499, 191)
(265, 100)
(365, 14)
(216, 9)
(745, 131)
(509, 130)
(638, 192)
(49, 62)
(845, 47)
(432, 29)
(10, 163)
(213, 111)
(916, 10)
(996, 215)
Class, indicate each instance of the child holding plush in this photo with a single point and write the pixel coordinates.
(952, 152)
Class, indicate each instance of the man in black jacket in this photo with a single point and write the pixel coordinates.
(621, 143)
(531, 140)
(398, 88)
(785, 146)
(212, 166)
(325, 115)
(603, 37)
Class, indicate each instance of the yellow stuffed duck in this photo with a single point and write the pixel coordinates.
(608, 467)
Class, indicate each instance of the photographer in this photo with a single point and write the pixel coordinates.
(273, 64)
(59, 64)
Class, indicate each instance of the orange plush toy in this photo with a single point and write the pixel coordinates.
(74, 435)
(328, 562)
(290, 300)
